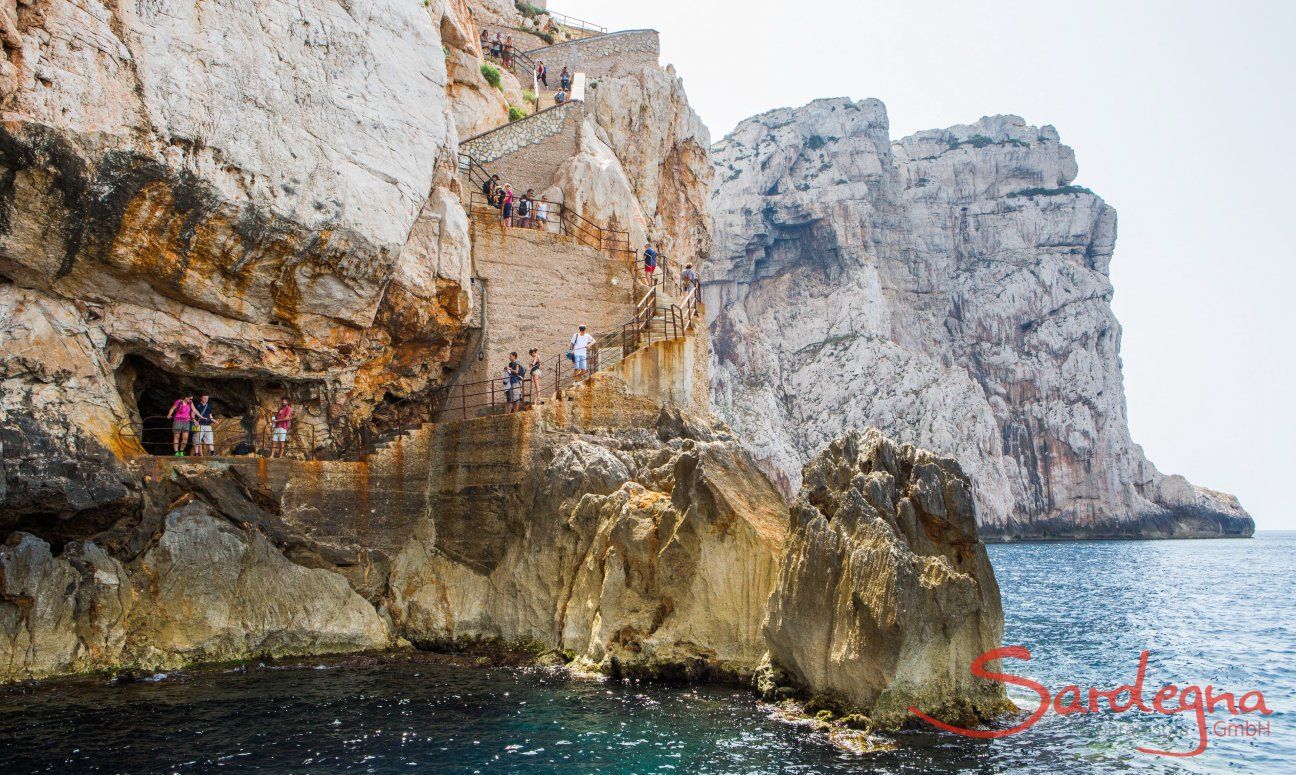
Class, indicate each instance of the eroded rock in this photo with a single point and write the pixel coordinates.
(885, 594)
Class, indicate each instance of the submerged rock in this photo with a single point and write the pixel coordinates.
(885, 594)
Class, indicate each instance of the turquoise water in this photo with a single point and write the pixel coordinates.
(1219, 612)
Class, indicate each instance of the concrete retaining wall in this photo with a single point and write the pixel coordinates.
(539, 287)
(527, 153)
(602, 55)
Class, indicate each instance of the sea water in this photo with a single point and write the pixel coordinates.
(1209, 612)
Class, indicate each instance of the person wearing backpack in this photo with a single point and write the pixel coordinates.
(565, 80)
(526, 208)
(514, 374)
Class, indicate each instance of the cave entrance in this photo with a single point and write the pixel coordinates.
(154, 389)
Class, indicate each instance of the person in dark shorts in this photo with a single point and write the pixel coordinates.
(506, 206)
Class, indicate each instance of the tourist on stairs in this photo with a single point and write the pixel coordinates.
(514, 374)
(580, 345)
(490, 187)
(542, 211)
(485, 41)
(204, 442)
(536, 373)
(181, 417)
(565, 80)
(526, 209)
(506, 206)
(650, 262)
(496, 46)
(282, 422)
(688, 278)
(542, 73)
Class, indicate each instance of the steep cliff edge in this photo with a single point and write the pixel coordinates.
(950, 288)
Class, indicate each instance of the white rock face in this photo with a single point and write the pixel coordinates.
(261, 191)
(951, 289)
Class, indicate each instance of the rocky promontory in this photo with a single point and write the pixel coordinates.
(885, 594)
(952, 289)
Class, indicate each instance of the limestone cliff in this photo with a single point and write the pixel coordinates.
(624, 529)
(950, 288)
(251, 199)
(885, 595)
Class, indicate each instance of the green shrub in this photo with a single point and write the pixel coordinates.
(516, 113)
(546, 36)
(1051, 191)
(816, 142)
(526, 9)
(492, 75)
(529, 96)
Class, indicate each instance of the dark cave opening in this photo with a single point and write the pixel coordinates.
(155, 390)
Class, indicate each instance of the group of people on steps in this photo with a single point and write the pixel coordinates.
(501, 47)
(525, 212)
(518, 376)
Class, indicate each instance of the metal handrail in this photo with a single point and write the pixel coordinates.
(576, 24)
(302, 439)
(651, 322)
(564, 220)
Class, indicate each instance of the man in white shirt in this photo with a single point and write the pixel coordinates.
(580, 345)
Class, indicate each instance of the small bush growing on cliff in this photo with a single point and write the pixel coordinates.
(976, 141)
(526, 9)
(1051, 191)
(516, 113)
(546, 36)
(816, 142)
(492, 75)
(530, 97)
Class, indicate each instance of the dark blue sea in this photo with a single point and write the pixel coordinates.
(1210, 612)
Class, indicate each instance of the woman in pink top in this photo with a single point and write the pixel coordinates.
(181, 417)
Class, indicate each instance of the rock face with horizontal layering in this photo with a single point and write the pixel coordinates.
(207, 591)
(251, 197)
(950, 288)
(885, 594)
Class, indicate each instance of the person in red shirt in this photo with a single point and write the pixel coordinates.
(282, 422)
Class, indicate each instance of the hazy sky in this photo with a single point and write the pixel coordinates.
(1181, 116)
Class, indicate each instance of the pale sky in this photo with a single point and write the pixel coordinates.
(1182, 117)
